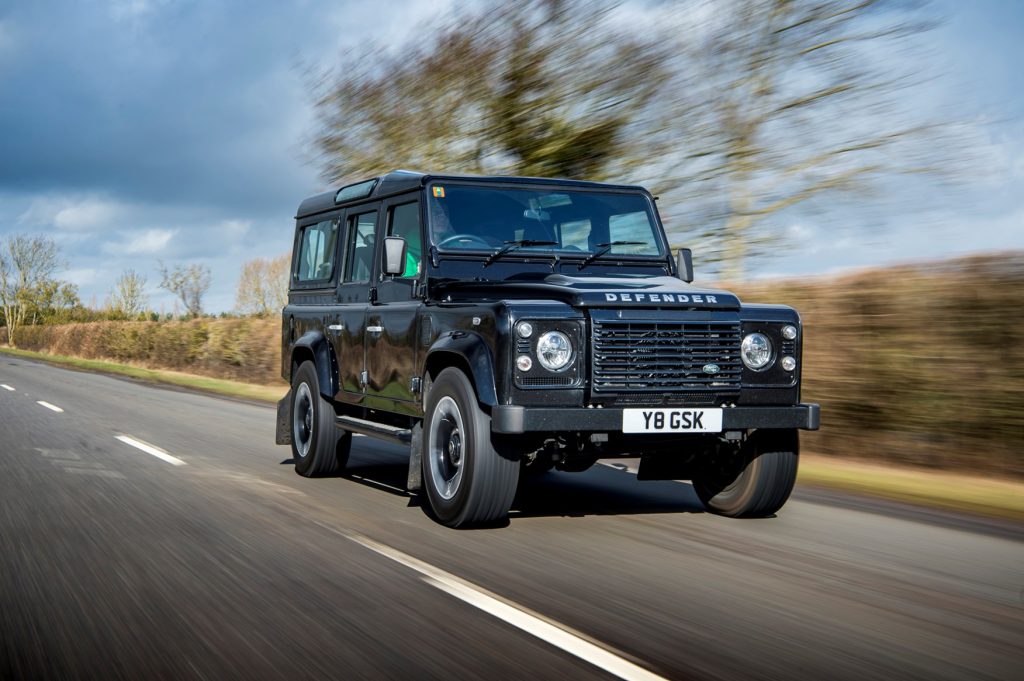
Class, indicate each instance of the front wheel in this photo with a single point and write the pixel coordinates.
(466, 479)
(755, 480)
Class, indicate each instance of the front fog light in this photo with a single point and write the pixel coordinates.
(788, 363)
(554, 350)
(756, 351)
(524, 363)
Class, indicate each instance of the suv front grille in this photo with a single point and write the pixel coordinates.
(665, 359)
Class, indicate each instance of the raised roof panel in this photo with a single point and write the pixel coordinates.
(398, 181)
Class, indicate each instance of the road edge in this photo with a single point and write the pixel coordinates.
(944, 490)
(221, 387)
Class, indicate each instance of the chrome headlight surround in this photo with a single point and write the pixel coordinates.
(757, 351)
(554, 351)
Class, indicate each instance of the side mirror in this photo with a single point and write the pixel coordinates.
(684, 264)
(394, 255)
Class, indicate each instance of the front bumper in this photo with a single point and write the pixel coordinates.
(512, 420)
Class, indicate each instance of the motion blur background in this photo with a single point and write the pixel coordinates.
(861, 161)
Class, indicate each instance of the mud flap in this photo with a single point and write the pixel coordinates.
(415, 480)
(284, 419)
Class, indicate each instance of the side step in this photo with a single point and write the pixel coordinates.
(402, 436)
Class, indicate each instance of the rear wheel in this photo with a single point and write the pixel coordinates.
(317, 446)
(755, 480)
(467, 480)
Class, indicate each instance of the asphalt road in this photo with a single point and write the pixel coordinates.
(202, 555)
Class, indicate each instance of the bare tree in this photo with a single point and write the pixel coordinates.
(27, 268)
(189, 283)
(762, 106)
(263, 286)
(128, 296)
(789, 101)
(523, 87)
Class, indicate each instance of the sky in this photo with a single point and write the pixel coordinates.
(139, 131)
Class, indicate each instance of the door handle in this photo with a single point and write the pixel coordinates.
(374, 329)
(336, 327)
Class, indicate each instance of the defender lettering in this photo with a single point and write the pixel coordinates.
(661, 298)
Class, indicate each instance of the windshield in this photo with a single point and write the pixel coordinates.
(564, 221)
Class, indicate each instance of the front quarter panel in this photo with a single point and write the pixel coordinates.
(313, 343)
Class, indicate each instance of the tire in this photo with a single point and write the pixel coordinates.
(466, 479)
(755, 481)
(317, 447)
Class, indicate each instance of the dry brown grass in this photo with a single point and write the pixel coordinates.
(919, 364)
(245, 349)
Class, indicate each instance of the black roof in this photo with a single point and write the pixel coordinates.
(398, 181)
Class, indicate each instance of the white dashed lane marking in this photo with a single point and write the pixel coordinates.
(553, 633)
(6, 387)
(51, 407)
(151, 450)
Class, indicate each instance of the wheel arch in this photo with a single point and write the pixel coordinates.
(470, 355)
(314, 347)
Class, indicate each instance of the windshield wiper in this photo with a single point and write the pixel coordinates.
(604, 248)
(513, 245)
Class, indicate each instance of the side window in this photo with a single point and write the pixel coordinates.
(404, 221)
(361, 237)
(316, 252)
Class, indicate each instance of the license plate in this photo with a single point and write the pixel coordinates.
(671, 420)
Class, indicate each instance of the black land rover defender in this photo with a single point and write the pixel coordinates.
(502, 326)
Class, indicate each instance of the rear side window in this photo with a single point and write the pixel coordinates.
(361, 236)
(316, 252)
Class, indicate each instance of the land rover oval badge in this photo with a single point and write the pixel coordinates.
(711, 369)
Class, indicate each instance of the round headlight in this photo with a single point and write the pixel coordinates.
(756, 351)
(554, 351)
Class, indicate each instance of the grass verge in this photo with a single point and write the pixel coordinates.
(937, 489)
(218, 386)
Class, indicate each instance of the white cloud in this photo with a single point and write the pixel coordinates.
(87, 214)
(149, 242)
(83, 276)
(72, 214)
(405, 19)
(800, 231)
(696, 18)
(235, 229)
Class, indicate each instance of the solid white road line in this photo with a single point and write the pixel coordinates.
(6, 387)
(51, 407)
(554, 633)
(151, 450)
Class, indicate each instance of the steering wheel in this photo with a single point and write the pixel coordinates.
(464, 239)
